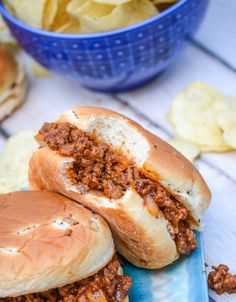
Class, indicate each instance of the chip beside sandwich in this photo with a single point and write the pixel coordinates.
(151, 196)
(53, 249)
(14, 161)
(205, 117)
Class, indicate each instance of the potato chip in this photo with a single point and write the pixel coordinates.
(226, 119)
(190, 151)
(230, 136)
(30, 12)
(98, 17)
(69, 28)
(62, 18)
(164, 4)
(164, 1)
(85, 16)
(140, 10)
(226, 113)
(15, 159)
(112, 2)
(193, 114)
(50, 13)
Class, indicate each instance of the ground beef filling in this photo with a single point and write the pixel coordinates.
(221, 280)
(105, 286)
(99, 167)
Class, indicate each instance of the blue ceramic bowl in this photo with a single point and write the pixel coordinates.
(118, 60)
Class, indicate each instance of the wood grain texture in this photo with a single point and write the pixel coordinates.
(218, 30)
(47, 98)
(154, 100)
(220, 224)
(2, 142)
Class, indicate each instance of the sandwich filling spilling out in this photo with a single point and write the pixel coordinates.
(105, 286)
(101, 168)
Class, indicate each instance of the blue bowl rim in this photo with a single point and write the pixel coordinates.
(6, 14)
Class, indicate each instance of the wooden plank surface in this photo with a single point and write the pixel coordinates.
(220, 224)
(2, 142)
(154, 100)
(218, 31)
(47, 98)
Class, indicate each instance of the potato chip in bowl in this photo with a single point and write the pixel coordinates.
(120, 46)
(112, 2)
(84, 16)
(63, 21)
(34, 13)
(98, 16)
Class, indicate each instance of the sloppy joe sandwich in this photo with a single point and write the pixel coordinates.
(151, 195)
(53, 249)
(12, 82)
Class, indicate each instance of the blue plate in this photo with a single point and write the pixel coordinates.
(184, 281)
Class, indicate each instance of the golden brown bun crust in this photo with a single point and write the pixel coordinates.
(8, 69)
(47, 241)
(139, 236)
(160, 161)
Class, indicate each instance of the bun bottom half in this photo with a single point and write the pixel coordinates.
(140, 237)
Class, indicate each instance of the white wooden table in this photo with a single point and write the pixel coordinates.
(211, 57)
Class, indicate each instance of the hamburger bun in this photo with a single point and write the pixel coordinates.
(47, 241)
(12, 82)
(140, 236)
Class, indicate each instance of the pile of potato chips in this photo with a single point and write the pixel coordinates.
(205, 117)
(85, 16)
(190, 151)
(14, 161)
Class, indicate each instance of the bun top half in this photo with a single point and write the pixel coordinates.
(157, 159)
(47, 241)
(8, 69)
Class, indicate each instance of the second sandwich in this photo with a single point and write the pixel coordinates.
(52, 249)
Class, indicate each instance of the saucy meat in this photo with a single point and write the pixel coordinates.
(221, 280)
(105, 286)
(99, 167)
